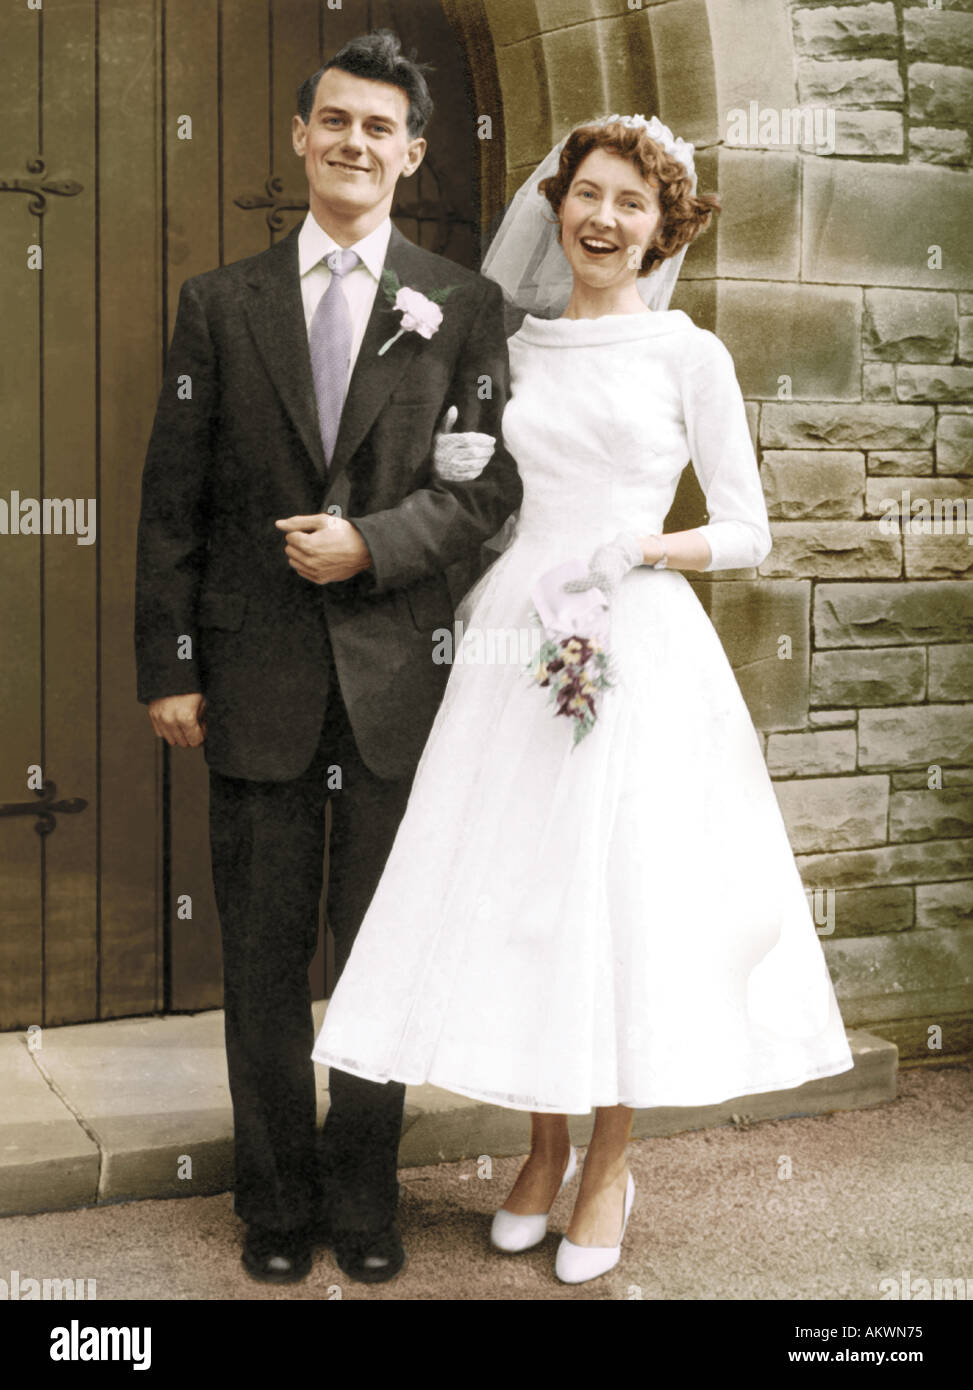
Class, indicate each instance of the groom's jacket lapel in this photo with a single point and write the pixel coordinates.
(275, 312)
(374, 377)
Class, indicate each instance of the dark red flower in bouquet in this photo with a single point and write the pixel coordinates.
(575, 669)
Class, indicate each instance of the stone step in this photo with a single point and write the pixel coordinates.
(139, 1107)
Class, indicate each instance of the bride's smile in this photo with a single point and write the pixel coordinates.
(597, 247)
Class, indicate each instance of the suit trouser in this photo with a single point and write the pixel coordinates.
(267, 841)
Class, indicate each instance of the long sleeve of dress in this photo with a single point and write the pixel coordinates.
(738, 532)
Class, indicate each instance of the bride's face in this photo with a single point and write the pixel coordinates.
(609, 217)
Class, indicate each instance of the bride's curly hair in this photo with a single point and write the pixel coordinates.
(684, 213)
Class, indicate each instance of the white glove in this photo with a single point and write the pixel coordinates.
(609, 565)
(460, 457)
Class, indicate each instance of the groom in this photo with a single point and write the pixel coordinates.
(292, 551)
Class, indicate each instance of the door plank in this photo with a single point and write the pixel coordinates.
(245, 116)
(21, 902)
(131, 310)
(295, 55)
(71, 569)
(192, 246)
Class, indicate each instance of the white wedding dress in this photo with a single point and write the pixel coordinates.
(623, 922)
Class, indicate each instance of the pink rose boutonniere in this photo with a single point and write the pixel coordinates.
(420, 312)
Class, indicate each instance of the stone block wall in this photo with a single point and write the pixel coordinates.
(877, 789)
(841, 280)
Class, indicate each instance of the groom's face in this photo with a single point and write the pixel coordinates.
(355, 147)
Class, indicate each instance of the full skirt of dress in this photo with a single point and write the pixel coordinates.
(621, 922)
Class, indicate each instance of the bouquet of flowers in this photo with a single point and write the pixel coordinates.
(575, 668)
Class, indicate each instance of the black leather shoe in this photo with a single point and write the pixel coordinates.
(276, 1257)
(370, 1257)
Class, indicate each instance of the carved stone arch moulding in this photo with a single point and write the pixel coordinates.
(468, 19)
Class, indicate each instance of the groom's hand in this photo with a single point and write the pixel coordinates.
(179, 719)
(324, 548)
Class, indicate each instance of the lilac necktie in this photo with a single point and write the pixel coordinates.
(330, 343)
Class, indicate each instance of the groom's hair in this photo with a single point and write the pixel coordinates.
(379, 57)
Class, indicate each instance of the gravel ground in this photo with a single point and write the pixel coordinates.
(871, 1193)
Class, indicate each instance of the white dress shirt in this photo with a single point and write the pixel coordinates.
(359, 285)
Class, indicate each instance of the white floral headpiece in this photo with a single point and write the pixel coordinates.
(662, 135)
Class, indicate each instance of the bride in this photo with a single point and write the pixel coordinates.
(615, 921)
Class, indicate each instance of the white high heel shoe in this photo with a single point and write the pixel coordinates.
(512, 1233)
(577, 1263)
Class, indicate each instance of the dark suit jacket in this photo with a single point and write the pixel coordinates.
(245, 450)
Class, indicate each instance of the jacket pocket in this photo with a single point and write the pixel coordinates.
(221, 610)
